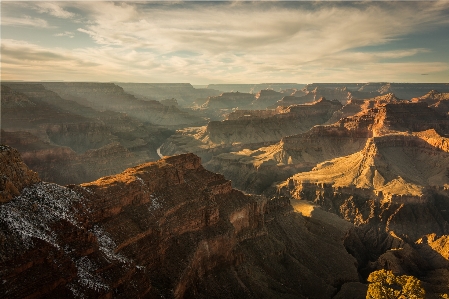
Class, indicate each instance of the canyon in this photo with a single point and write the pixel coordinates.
(168, 228)
(256, 190)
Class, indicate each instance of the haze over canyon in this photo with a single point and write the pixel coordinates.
(179, 149)
(145, 190)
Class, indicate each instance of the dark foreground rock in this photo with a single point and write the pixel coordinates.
(166, 229)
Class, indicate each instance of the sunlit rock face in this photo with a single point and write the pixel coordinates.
(249, 129)
(255, 169)
(439, 101)
(165, 229)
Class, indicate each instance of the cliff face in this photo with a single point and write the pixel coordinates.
(248, 129)
(184, 93)
(438, 101)
(63, 165)
(289, 121)
(405, 91)
(395, 191)
(15, 175)
(228, 100)
(313, 94)
(254, 169)
(168, 228)
(108, 96)
(57, 136)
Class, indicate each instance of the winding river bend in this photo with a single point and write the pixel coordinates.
(158, 151)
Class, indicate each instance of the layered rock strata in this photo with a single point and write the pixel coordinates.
(249, 129)
(64, 140)
(438, 101)
(396, 191)
(109, 96)
(165, 229)
(184, 93)
(252, 168)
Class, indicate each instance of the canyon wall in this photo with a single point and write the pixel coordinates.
(165, 229)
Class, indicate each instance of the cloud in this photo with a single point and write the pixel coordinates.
(54, 9)
(247, 42)
(65, 33)
(25, 21)
(33, 56)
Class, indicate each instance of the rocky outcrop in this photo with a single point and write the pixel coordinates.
(339, 94)
(252, 168)
(292, 120)
(57, 136)
(390, 165)
(229, 100)
(63, 165)
(267, 97)
(355, 106)
(395, 191)
(15, 175)
(405, 91)
(249, 129)
(434, 139)
(165, 229)
(411, 117)
(436, 100)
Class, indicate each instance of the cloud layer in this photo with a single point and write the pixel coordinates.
(202, 42)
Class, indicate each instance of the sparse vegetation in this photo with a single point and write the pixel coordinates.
(385, 285)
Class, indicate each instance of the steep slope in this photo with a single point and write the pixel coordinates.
(249, 129)
(395, 164)
(63, 139)
(165, 229)
(109, 96)
(184, 93)
(255, 169)
(15, 175)
(355, 106)
(405, 91)
(313, 92)
(24, 110)
(396, 191)
(436, 100)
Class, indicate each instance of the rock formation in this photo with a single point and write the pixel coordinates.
(395, 190)
(252, 168)
(184, 93)
(15, 175)
(109, 96)
(229, 100)
(340, 94)
(249, 129)
(436, 100)
(166, 229)
(254, 88)
(63, 140)
(405, 91)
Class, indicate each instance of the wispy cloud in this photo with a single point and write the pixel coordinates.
(65, 33)
(25, 21)
(54, 9)
(247, 42)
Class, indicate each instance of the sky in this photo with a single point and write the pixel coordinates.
(225, 42)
